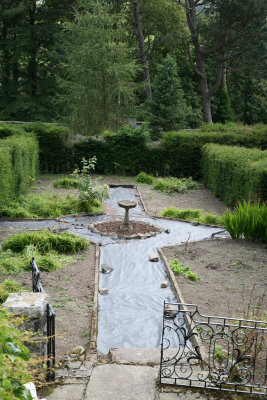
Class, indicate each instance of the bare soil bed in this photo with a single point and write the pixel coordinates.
(71, 291)
(233, 277)
(116, 226)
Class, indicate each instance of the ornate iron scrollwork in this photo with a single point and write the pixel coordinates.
(213, 352)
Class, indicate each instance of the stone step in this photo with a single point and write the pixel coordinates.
(137, 356)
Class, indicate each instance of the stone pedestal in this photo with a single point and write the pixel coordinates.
(31, 306)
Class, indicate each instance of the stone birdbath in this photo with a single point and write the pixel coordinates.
(126, 204)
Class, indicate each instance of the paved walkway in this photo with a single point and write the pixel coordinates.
(131, 374)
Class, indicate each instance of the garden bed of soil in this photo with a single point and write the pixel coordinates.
(233, 277)
(71, 291)
(115, 227)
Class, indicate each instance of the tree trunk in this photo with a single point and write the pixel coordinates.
(142, 47)
(199, 67)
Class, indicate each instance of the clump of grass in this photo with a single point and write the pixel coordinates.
(6, 287)
(188, 214)
(174, 185)
(248, 220)
(45, 241)
(179, 269)
(48, 206)
(66, 183)
(143, 177)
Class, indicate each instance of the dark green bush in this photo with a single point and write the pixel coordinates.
(55, 146)
(143, 177)
(46, 241)
(234, 173)
(18, 166)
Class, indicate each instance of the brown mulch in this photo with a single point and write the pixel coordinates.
(116, 226)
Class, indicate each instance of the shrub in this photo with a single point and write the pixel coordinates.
(174, 185)
(18, 166)
(14, 360)
(248, 220)
(7, 287)
(45, 241)
(143, 177)
(55, 146)
(89, 189)
(187, 214)
(66, 183)
(48, 206)
(233, 173)
(192, 215)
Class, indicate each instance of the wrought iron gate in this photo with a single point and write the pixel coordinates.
(218, 353)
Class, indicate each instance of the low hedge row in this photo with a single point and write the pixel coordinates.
(128, 151)
(18, 166)
(234, 173)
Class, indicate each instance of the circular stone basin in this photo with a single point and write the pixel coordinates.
(114, 229)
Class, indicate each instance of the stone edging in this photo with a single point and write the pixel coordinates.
(94, 321)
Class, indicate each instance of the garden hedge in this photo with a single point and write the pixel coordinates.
(55, 146)
(18, 166)
(234, 173)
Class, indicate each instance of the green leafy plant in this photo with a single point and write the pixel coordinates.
(248, 220)
(66, 183)
(143, 177)
(179, 269)
(192, 215)
(174, 185)
(48, 206)
(89, 189)
(46, 241)
(15, 365)
(6, 287)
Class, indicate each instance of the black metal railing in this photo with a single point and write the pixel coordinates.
(50, 324)
(218, 353)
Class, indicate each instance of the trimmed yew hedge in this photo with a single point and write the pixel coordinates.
(234, 173)
(18, 166)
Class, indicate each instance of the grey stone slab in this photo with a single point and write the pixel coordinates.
(27, 304)
(122, 382)
(67, 392)
(135, 356)
(184, 395)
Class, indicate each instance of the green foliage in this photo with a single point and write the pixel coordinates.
(168, 104)
(187, 214)
(143, 177)
(98, 84)
(48, 206)
(14, 360)
(13, 263)
(18, 166)
(233, 173)
(248, 220)
(174, 185)
(54, 144)
(224, 111)
(8, 286)
(46, 241)
(89, 189)
(179, 269)
(66, 183)
(192, 215)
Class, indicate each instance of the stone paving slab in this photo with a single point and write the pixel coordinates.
(122, 382)
(68, 392)
(135, 356)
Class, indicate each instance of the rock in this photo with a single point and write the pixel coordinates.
(27, 304)
(153, 258)
(103, 291)
(76, 351)
(106, 269)
(171, 310)
(167, 231)
(164, 284)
